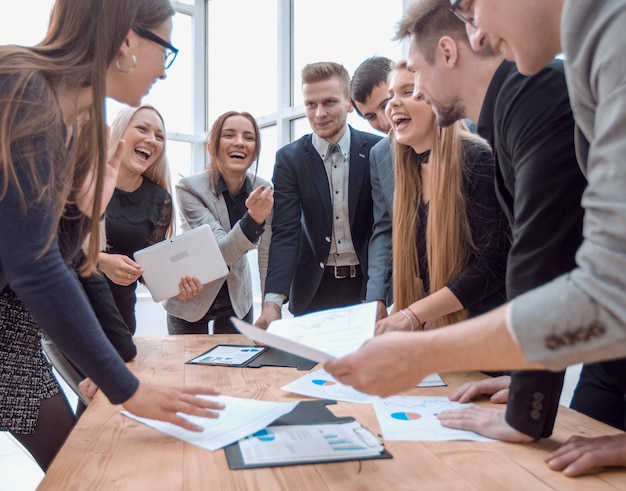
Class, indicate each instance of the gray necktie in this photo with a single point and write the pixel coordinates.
(332, 149)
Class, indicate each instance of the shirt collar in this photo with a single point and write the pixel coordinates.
(322, 145)
(247, 186)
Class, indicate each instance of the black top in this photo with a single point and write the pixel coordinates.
(44, 283)
(480, 286)
(135, 220)
(238, 211)
(528, 121)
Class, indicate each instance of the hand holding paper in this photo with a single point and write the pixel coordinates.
(320, 336)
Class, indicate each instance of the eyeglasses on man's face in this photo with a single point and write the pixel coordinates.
(456, 10)
(170, 51)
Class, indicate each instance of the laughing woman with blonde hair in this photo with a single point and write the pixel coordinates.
(449, 235)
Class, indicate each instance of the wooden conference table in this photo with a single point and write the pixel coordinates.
(108, 451)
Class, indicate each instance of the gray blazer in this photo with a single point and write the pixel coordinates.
(198, 204)
(581, 316)
(379, 249)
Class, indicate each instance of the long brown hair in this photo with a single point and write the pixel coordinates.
(213, 143)
(448, 236)
(83, 39)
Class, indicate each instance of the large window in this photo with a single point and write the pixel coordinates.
(244, 55)
(257, 48)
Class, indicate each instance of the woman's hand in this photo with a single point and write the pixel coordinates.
(88, 389)
(166, 403)
(189, 287)
(260, 203)
(394, 322)
(120, 269)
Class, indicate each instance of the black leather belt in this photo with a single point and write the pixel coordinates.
(341, 272)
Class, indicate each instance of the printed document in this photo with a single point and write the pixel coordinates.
(323, 385)
(310, 443)
(240, 418)
(319, 336)
(415, 418)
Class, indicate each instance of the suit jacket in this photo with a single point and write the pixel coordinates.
(379, 254)
(581, 316)
(198, 204)
(302, 222)
(539, 186)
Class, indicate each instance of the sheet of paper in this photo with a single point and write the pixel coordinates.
(322, 385)
(414, 418)
(433, 380)
(240, 418)
(320, 336)
(306, 443)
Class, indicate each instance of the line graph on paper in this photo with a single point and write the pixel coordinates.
(415, 418)
(334, 331)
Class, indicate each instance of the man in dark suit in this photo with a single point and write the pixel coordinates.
(322, 205)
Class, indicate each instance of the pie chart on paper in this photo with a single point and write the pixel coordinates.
(323, 382)
(406, 416)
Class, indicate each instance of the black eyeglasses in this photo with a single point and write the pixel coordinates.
(454, 8)
(170, 51)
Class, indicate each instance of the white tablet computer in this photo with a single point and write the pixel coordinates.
(193, 253)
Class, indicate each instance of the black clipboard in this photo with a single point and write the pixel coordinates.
(306, 412)
(267, 357)
(273, 357)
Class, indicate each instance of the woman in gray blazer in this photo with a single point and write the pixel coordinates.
(238, 206)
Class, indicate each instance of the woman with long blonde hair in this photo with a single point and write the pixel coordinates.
(140, 211)
(450, 239)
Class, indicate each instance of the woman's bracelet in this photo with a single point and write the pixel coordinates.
(419, 322)
(409, 319)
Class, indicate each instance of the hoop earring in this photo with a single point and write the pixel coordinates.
(133, 60)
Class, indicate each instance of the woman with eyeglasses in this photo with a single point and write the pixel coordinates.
(55, 181)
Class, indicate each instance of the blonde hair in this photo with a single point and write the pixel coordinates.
(158, 172)
(448, 236)
(325, 70)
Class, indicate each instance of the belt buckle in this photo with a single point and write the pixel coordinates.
(337, 276)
